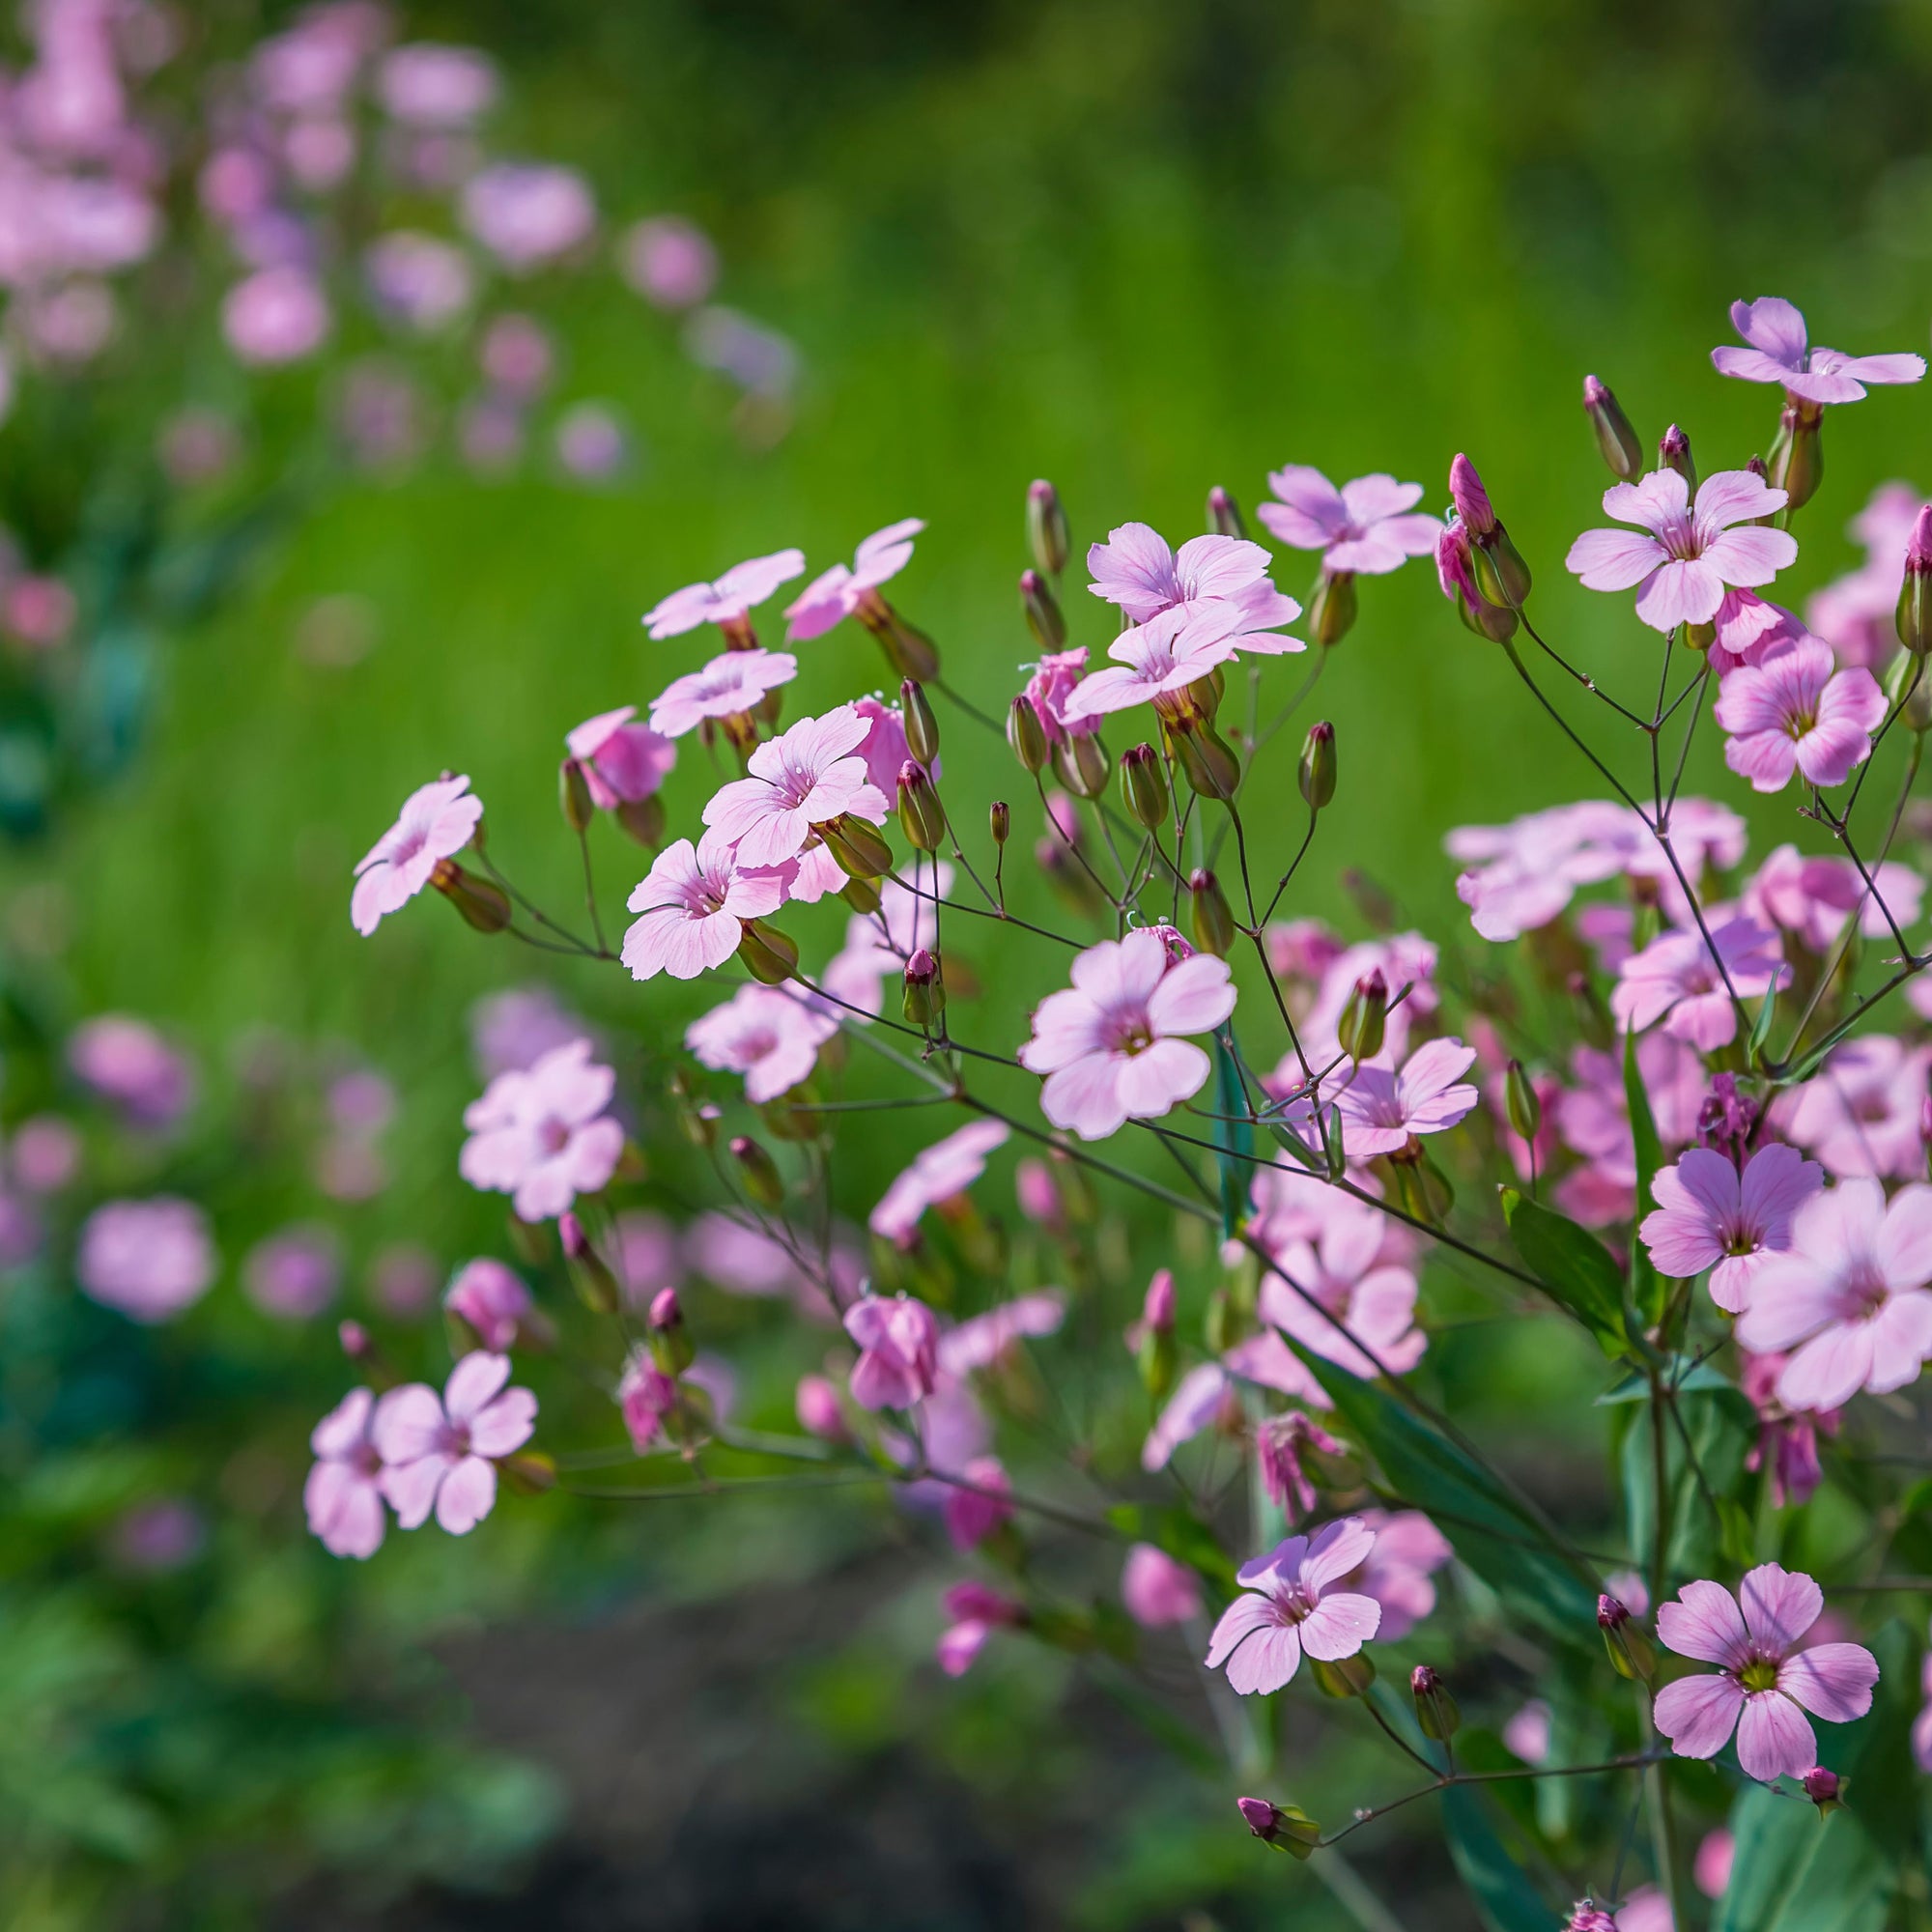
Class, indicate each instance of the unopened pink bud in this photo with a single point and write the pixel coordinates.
(570, 1231)
(665, 1312)
(1611, 1613)
(1823, 1787)
(1472, 499)
(818, 1411)
(1157, 1309)
(1919, 546)
(354, 1340)
(1258, 1815)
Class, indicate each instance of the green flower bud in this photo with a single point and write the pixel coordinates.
(922, 728)
(1144, 786)
(1797, 465)
(573, 796)
(1026, 734)
(1316, 771)
(1000, 821)
(1042, 611)
(1081, 765)
(1364, 1021)
(1331, 612)
(860, 848)
(596, 1284)
(484, 906)
(922, 816)
(766, 953)
(1046, 528)
(1213, 917)
(1436, 1710)
(643, 819)
(1520, 1101)
(1615, 436)
(758, 1171)
(1344, 1676)
(1224, 515)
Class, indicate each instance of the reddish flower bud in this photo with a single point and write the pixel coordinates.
(485, 906)
(1674, 452)
(1915, 595)
(1615, 437)
(1042, 611)
(1213, 917)
(1364, 1021)
(1157, 1306)
(665, 1311)
(1224, 515)
(924, 989)
(1144, 785)
(1000, 821)
(1333, 609)
(1825, 1789)
(922, 816)
(573, 795)
(1630, 1650)
(354, 1340)
(1286, 1826)
(1026, 734)
(596, 1284)
(1472, 499)
(1434, 1709)
(1317, 771)
(1047, 534)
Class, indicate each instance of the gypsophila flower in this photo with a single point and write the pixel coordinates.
(1157, 1590)
(939, 1173)
(731, 686)
(986, 1341)
(766, 1034)
(343, 1493)
(1710, 1215)
(437, 820)
(542, 1136)
(806, 777)
(898, 1343)
(1368, 526)
(1779, 352)
(437, 1450)
(1676, 979)
(728, 602)
(150, 1259)
(1794, 710)
(1289, 1607)
(491, 1300)
(1382, 1108)
(839, 591)
(692, 904)
(622, 761)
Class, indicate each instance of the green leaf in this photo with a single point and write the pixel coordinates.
(1760, 1031)
(1505, 1900)
(1646, 1287)
(1234, 1138)
(1687, 1374)
(1575, 1268)
(1721, 1426)
(1493, 1534)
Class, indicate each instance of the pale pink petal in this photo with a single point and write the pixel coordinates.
(1194, 997)
(1614, 559)
(1336, 1548)
(1698, 1714)
(1246, 1614)
(1338, 1626)
(1751, 365)
(1705, 1624)
(467, 1495)
(1734, 495)
(409, 1423)
(1902, 1336)
(1085, 1098)
(1266, 1662)
(1832, 1681)
(1779, 1607)
(1683, 591)
(505, 1425)
(1774, 1737)
(1774, 326)
(472, 1382)
(1901, 367)
(410, 1487)
(1826, 1372)
(1767, 758)
(1154, 1080)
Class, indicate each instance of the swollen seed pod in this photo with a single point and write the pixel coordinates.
(922, 728)
(1615, 437)
(596, 1284)
(1144, 786)
(1316, 771)
(643, 819)
(1026, 734)
(1047, 537)
(1520, 1101)
(860, 851)
(766, 953)
(922, 816)
(1224, 515)
(1915, 596)
(862, 896)
(1081, 765)
(1000, 821)
(1364, 1021)
(1797, 465)
(924, 989)
(758, 1171)
(573, 796)
(485, 907)
(1213, 919)
(1042, 611)
(1331, 611)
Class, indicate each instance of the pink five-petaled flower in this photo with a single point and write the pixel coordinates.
(621, 761)
(1055, 679)
(1848, 1297)
(731, 684)
(343, 1495)
(1765, 1683)
(437, 820)
(1688, 555)
(541, 1136)
(1111, 1044)
(1794, 710)
(1675, 974)
(728, 602)
(840, 590)
(692, 905)
(810, 775)
(942, 1172)
(1382, 1108)
(1136, 569)
(1709, 1215)
(764, 1034)
(1155, 661)
(1262, 1633)
(438, 1448)
(1157, 1590)
(1368, 526)
(1779, 352)
(898, 1351)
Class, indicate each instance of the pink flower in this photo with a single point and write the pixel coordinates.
(437, 1451)
(898, 1344)
(839, 591)
(1155, 661)
(1848, 1297)
(1526, 1734)
(541, 1136)
(1520, 875)
(646, 1396)
(728, 602)
(1922, 1726)
(1794, 710)
(1765, 1684)
(1780, 353)
(343, 1495)
(1854, 613)
(418, 280)
(278, 315)
(670, 262)
(1136, 569)
(1342, 1268)
(1711, 1868)
(621, 761)
(148, 1258)
(1408, 1551)
(884, 747)
(294, 1274)
(432, 86)
(1380, 1109)
(942, 1172)
(1692, 553)
(1787, 1439)
(437, 820)
(592, 441)
(986, 1341)
(1156, 1590)
(1812, 896)
(124, 1061)
(1279, 1443)
(1200, 1397)
(766, 1034)
(972, 1515)
(692, 904)
(728, 686)
(1861, 1112)
(1289, 1608)
(491, 1301)
(1112, 1044)
(1055, 679)
(527, 213)
(977, 1612)
(1675, 979)
(1709, 1215)
(804, 779)
(1368, 526)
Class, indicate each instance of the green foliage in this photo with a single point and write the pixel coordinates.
(1575, 1268)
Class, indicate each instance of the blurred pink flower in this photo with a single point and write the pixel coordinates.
(44, 1154)
(985, 1341)
(1812, 896)
(646, 1395)
(592, 441)
(976, 1612)
(899, 1342)
(972, 1514)
(437, 820)
(1408, 1551)
(436, 1451)
(691, 906)
(491, 1300)
(1369, 526)
(646, 1255)
(730, 600)
(403, 1279)
(1794, 711)
(294, 1274)
(1859, 1114)
(1708, 1215)
(154, 1539)
(417, 279)
(621, 760)
(840, 590)
(527, 213)
(1292, 1607)
(731, 684)
(1279, 1443)
(516, 355)
(1854, 613)
(938, 1173)
(542, 1136)
(343, 1495)
(517, 1028)
(278, 315)
(128, 1063)
(433, 86)
(670, 262)
(1202, 1396)
(38, 611)
(1156, 1590)
(1711, 1868)
(766, 1034)
(1779, 352)
(1343, 1269)
(148, 1258)
(1787, 1439)
(1675, 979)
(1526, 1734)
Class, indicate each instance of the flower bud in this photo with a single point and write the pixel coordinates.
(355, 1342)
(672, 1346)
(1286, 1826)
(484, 905)
(1224, 515)
(1908, 684)
(1209, 767)
(819, 1412)
(1080, 763)
(922, 816)
(1520, 1102)
(1046, 528)
(1797, 465)
(860, 848)
(1501, 575)
(1157, 1304)
(1317, 771)
(1144, 786)
(922, 728)
(1331, 612)
(1344, 1676)
(924, 989)
(1334, 1144)
(1586, 1916)
(573, 796)
(766, 953)
(1455, 571)
(862, 896)
(1615, 436)
(1042, 611)
(643, 819)
(908, 650)
(1434, 1709)
(758, 1171)
(1472, 499)
(1674, 452)
(596, 1284)
(1364, 1021)
(1915, 596)
(1000, 821)
(1632, 1653)
(1825, 1789)
(1026, 734)
(1213, 917)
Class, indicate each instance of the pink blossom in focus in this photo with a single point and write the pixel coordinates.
(1794, 711)
(1765, 1683)
(806, 777)
(1708, 1215)
(728, 686)
(766, 1034)
(945, 1169)
(1859, 1114)
(1111, 1045)
(343, 1495)
(432, 86)
(692, 905)
(899, 1342)
(542, 1136)
(491, 1300)
(1156, 661)
(986, 1341)
(1054, 680)
(528, 213)
(294, 1274)
(1675, 979)
(1292, 1607)
(128, 1063)
(622, 761)
(972, 1514)
(438, 1449)
(1690, 554)
(839, 591)
(148, 1258)
(437, 820)
(278, 315)
(1136, 569)
(670, 262)
(1156, 1590)
(1367, 526)
(1779, 352)
(1848, 1298)
(1382, 1108)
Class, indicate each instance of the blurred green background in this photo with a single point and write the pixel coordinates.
(1140, 249)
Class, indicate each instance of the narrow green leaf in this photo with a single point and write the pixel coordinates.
(1505, 1900)
(1761, 1026)
(1723, 1425)
(1575, 1268)
(1646, 1287)
(1233, 1139)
